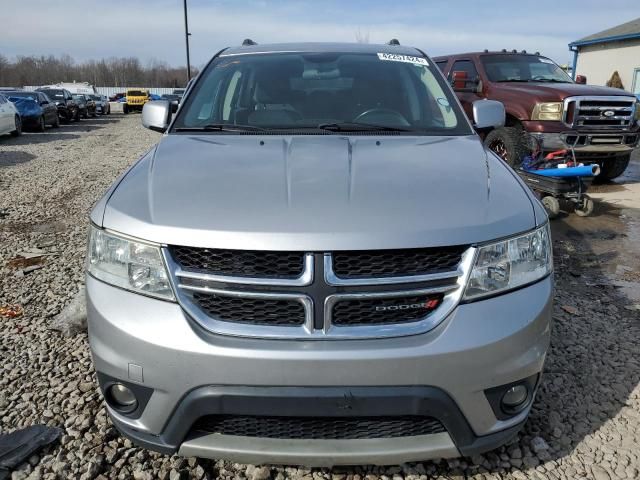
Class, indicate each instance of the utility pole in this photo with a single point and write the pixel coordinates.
(186, 37)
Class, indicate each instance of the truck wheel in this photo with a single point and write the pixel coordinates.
(508, 143)
(586, 208)
(612, 167)
(125, 109)
(552, 206)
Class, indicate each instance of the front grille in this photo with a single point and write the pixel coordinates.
(396, 263)
(612, 113)
(318, 428)
(240, 263)
(380, 311)
(253, 311)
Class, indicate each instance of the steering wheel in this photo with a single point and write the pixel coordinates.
(395, 117)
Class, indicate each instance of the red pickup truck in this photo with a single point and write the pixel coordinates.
(601, 124)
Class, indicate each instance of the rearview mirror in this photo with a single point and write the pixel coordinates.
(581, 79)
(156, 115)
(488, 113)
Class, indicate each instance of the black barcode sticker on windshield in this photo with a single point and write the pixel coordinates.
(394, 57)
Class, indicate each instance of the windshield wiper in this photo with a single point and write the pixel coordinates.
(513, 80)
(360, 127)
(221, 127)
(551, 80)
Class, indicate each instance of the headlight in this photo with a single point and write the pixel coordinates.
(547, 111)
(128, 264)
(638, 111)
(511, 263)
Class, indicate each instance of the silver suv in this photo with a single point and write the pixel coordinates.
(319, 263)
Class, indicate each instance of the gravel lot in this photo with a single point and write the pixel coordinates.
(585, 422)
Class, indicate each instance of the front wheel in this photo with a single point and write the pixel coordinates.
(77, 115)
(612, 167)
(552, 206)
(125, 109)
(41, 124)
(508, 143)
(18, 127)
(56, 122)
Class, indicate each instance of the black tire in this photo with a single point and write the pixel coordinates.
(77, 115)
(611, 168)
(125, 109)
(56, 122)
(85, 115)
(108, 109)
(586, 208)
(18, 123)
(551, 205)
(42, 125)
(508, 143)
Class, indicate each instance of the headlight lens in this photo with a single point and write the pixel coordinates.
(638, 111)
(509, 264)
(547, 111)
(128, 264)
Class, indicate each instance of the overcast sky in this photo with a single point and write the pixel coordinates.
(150, 29)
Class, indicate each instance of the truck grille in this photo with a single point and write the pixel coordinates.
(242, 263)
(606, 113)
(346, 294)
(318, 428)
(380, 311)
(391, 263)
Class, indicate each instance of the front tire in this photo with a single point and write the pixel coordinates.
(508, 143)
(56, 122)
(41, 124)
(77, 115)
(125, 109)
(18, 124)
(612, 168)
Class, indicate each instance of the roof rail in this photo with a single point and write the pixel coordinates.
(393, 41)
(247, 41)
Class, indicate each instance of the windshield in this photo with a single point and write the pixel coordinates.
(523, 68)
(78, 97)
(55, 93)
(95, 97)
(136, 93)
(309, 91)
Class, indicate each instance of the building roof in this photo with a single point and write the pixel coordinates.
(624, 31)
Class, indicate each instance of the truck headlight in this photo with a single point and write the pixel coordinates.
(126, 263)
(547, 111)
(511, 263)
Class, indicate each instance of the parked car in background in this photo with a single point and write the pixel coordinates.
(36, 109)
(74, 87)
(135, 100)
(86, 105)
(10, 121)
(102, 104)
(154, 96)
(178, 91)
(117, 97)
(68, 109)
(600, 124)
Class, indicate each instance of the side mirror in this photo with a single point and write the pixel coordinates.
(459, 80)
(581, 79)
(174, 105)
(488, 114)
(156, 115)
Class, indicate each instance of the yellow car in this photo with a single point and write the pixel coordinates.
(135, 100)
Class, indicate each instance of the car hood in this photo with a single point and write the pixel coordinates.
(318, 193)
(560, 91)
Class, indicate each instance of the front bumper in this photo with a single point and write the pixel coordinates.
(444, 372)
(586, 141)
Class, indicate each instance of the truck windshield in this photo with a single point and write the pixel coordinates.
(523, 68)
(322, 91)
(136, 93)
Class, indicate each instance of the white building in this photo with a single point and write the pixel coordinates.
(599, 55)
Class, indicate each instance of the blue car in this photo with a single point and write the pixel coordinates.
(36, 109)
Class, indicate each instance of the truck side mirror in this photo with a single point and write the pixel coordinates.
(488, 114)
(459, 80)
(156, 115)
(581, 79)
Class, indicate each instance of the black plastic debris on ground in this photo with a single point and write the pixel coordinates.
(18, 446)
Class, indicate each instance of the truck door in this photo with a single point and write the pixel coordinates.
(465, 81)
